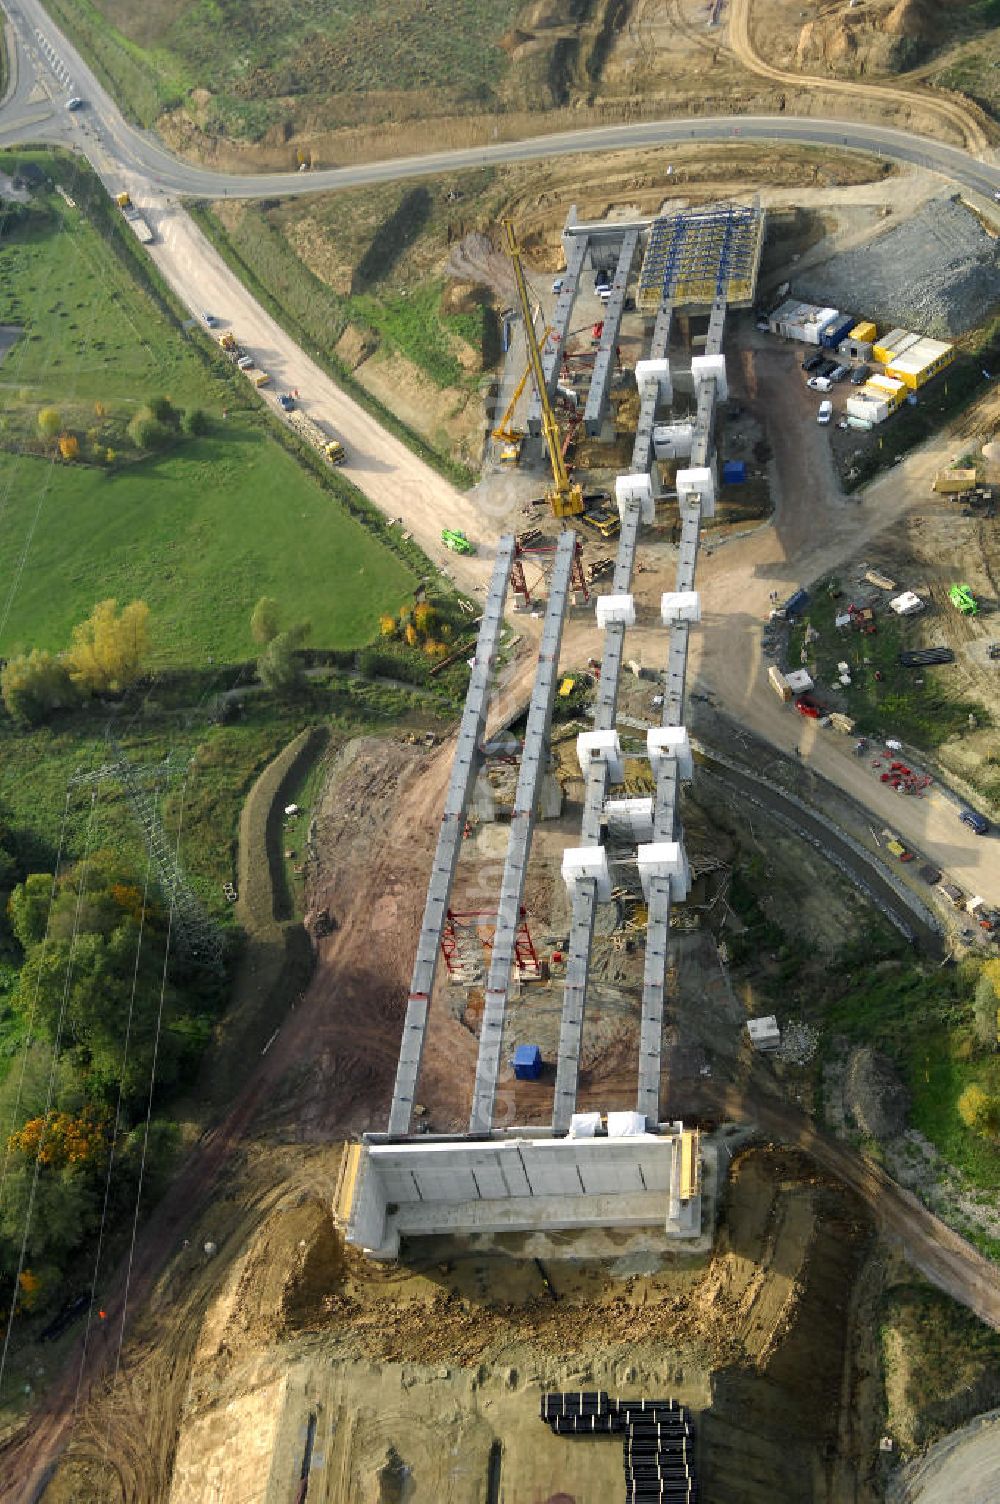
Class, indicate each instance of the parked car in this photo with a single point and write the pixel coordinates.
(825, 412)
(210, 320)
(74, 103)
(810, 708)
(558, 284)
(812, 363)
(826, 367)
(819, 383)
(839, 372)
(286, 401)
(975, 821)
(860, 375)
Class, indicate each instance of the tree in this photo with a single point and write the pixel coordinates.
(49, 422)
(100, 410)
(277, 666)
(163, 410)
(986, 1013)
(110, 648)
(196, 422)
(265, 620)
(35, 684)
(69, 446)
(147, 432)
(387, 625)
(29, 908)
(980, 1111)
(411, 635)
(424, 617)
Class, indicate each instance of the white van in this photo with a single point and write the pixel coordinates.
(825, 412)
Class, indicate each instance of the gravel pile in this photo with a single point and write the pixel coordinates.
(937, 274)
(874, 1094)
(798, 1043)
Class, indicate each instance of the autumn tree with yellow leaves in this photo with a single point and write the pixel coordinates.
(109, 649)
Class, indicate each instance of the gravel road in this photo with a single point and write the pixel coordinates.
(964, 1468)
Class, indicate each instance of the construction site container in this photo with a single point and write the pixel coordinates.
(855, 349)
(863, 331)
(799, 681)
(885, 348)
(734, 472)
(867, 410)
(801, 321)
(835, 330)
(889, 388)
(953, 482)
(920, 361)
(779, 683)
(527, 1062)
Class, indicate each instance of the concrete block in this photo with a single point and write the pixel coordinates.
(664, 742)
(654, 373)
(626, 1124)
(615, 608)
(630, 818)
(680, 605)
(600, 746)
(632, 489)
(580, 862)
(699, 483)
(665, 859)
(705, 368)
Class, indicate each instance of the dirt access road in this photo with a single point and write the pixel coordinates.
(951, 114)
(395, 479)
(964, 1468)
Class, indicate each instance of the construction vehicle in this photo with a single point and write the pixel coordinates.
(566, 496)
(601, 519)
(139, 226)
(259, 378)
(963, 600)
(511, 438)
(331, 449)
(455, 539)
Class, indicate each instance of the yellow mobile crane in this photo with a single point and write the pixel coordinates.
(565, 497)
(510, 438)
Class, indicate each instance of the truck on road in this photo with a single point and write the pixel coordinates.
(332, 450)
(140, 228)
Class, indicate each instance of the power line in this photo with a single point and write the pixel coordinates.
(67, 983)
(117, 1124)
(34, 998)
(145, 1136)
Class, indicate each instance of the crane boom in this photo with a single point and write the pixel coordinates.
(565, 498)
(503, 429)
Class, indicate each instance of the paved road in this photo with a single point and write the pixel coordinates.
(102, 126)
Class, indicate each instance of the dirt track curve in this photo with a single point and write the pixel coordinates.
(950, 112)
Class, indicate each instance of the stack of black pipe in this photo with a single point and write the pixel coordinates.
(658, 1440)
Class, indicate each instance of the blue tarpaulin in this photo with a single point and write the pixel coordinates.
(734, 473)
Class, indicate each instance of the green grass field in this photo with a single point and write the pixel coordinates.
(199, 534)
(201, 531)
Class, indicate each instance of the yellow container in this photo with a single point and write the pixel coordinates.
(864, 332)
